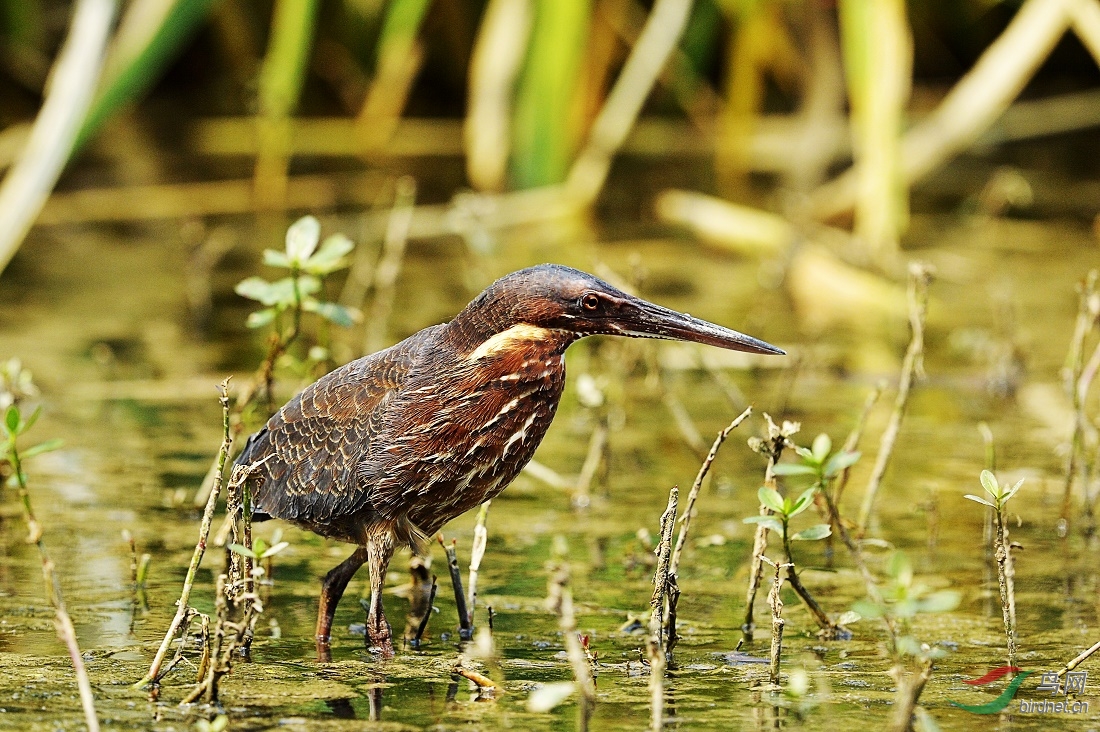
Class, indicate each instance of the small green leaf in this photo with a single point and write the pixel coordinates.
(804, 453)
(770, 497)
(900, 569)
(909, 646)
(841, 461)
(803, 502)
(868, 609)
(989, 482)
(275, 258)
(256, 288)
(47, 446)
(820, 531)
(821, 448)
(979, 500)
(280, 292)
(338, 314)
(260, 318)
(848, 617)
(769, 521)
(940, 602)
(793, 469)
(301, 239)
(273, 550)
(11, 419)
(242, 550)
(1012, 492)
(330, 257)
(29, 421)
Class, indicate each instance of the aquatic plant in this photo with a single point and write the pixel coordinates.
(783, 509)
(902, 599)
(1002, 552)
(15, 426)
(308, 260)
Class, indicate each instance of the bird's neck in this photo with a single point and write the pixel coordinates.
(477, 338)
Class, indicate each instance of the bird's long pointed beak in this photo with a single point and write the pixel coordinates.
(647, 320)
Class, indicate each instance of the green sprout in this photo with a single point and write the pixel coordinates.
(998, 493)
(1002, 552)
(260, 548)
(295, 294)
(15, 425)
(308, 264)
(785, 509)
(817, 462)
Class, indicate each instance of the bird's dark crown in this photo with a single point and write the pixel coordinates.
(548, 296)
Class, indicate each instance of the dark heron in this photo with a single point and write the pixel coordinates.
(385, 450)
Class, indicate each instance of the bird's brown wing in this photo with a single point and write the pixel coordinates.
(313, 446)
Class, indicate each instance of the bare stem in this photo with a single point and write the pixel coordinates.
(62, 622)
(857, 556)
(465, 628)
(776, 605)
(689, 507)
(153, 675)
(773, 448)
(910, 686)
(1002, 552)
(920, 277)
(855, 436)
(1088, 316)
(477, 553)
(560, 601)
(416, 639)
(661, 575)
(1079, 659)
(820, 616)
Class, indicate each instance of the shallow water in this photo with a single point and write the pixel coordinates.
(129, 386)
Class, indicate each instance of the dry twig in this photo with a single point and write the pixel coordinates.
(920, 277)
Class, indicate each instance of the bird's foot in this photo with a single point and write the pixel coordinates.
(380, 637)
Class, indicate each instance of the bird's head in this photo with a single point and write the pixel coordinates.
(562, 299)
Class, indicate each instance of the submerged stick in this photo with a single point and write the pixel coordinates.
(776, 605)
(200, 547)
(1079, 659)
(560, 601)
(63, 623)
(920, 277)
(465, 628)
(661, 575)
(685, 525)
(1077, 385)
(772, 447)
(416, 639)
(910, 687)
(477, 553)
(693, 494)
(1006, 581)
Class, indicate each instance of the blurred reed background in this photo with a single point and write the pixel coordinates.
(845, 105)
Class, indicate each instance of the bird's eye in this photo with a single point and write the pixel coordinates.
(590, 302)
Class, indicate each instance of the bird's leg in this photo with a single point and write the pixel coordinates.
(379, 550)
(332, 589)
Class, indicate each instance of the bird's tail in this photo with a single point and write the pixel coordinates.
(409, 533)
